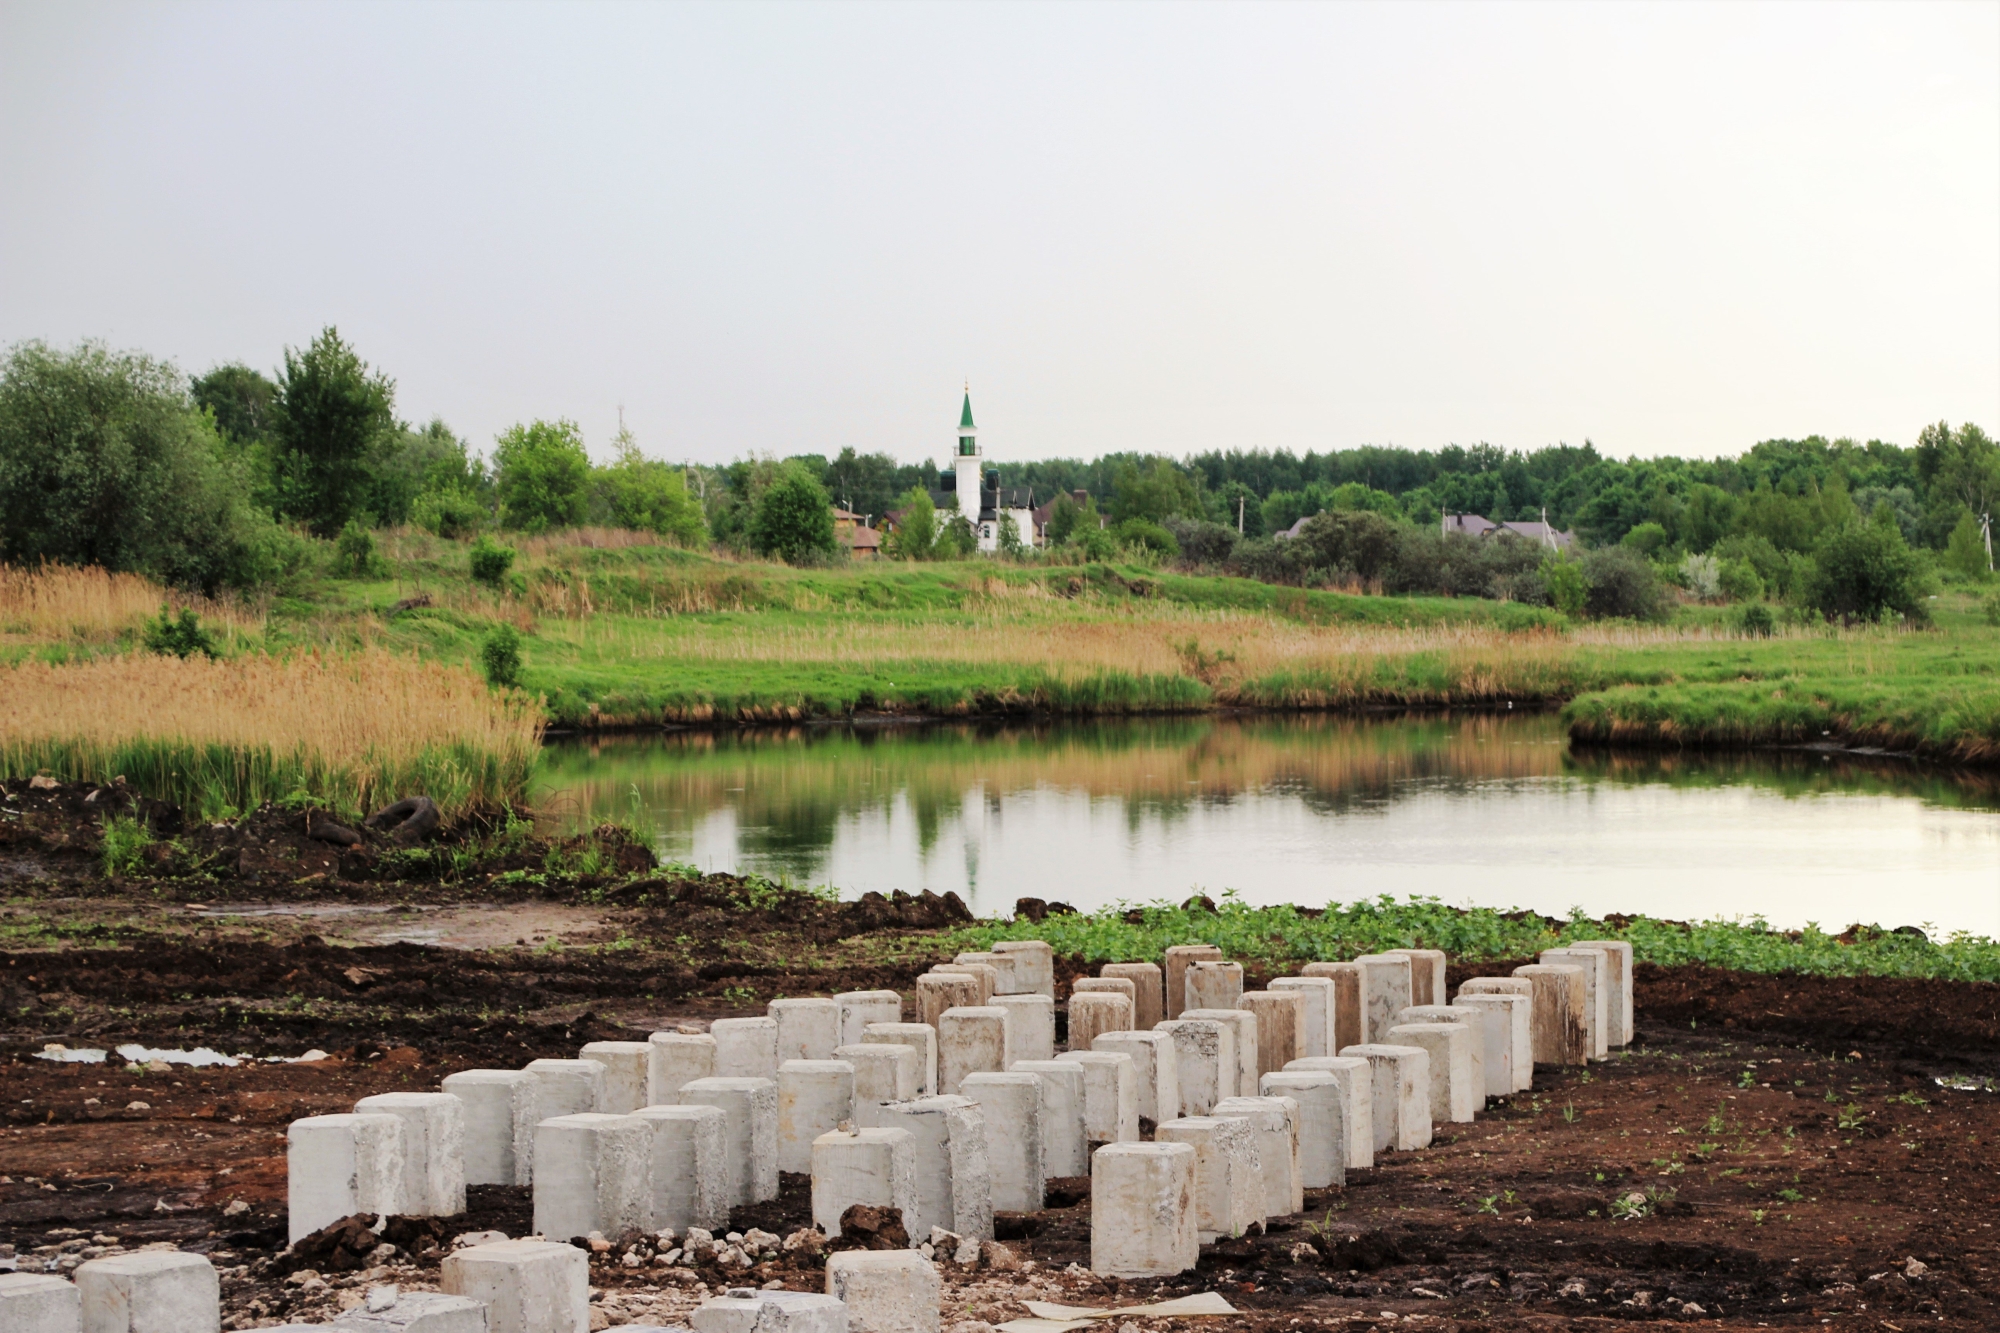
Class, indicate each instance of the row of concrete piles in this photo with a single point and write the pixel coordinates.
(1254, 1097)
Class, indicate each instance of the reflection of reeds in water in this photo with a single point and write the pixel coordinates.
(805, 779)
(232, 733)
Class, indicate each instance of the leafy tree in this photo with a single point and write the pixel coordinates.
(331, 414)
(1096, 543)
(1965, 551)
(1702, 576)
(1740, 581)
(1563, 578)
(105, 460)
(1351, 541)
(648, 496)
(1144, 534)
(1202, 543)
(1158, 490)
(1066, 516)
(1621, 582)
(1011, 544)
(1648, 539)
(543, 476)
(1864, 569)
(915, 537)
(244, 402)
(1958, 467)
(956, 540)
(500, 656)
(794, 518)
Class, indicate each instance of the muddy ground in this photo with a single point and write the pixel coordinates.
(1787, 1138)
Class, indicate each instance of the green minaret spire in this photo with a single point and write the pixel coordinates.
(965, 417)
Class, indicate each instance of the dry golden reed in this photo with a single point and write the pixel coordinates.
(355, 730)
(63, 602)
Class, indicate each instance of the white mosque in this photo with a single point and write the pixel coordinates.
(981, 498)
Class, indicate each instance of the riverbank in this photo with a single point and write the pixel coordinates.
(617, 633)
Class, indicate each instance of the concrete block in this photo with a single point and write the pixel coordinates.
(1356, 1080)
(1476, 1047)
(1110, 1095)
(627, 1072)
(745, 1047)
(1400, 1080)
(153, 1291)
(1509, 985)
(1315, 1031)
(1274, 1129)
(814, 1096)
(748, 1310)
(1281, 1016)
(939, 991)
(948, 1154)
(688, 1167)
(1211, 984)
(1561, 1034)
(678, 1059)
(920, 1037)
(751, 1106)
(808, 1029)
(971, 1040)
(1228, 1180)
(1149, 996)
(433, 1149)
(886, 1291)
(529, 1286)
(1427, 974)
(859, 1008)
(1346, 979)
(1244, 1023)
(882, 1073)
(986, 974)
(1031, 1025)
(1106, 986)
(417, 1312)
(1449, 1046)
(39, 1303)
(498, 1104)
(872, 1166)
(1034, 965)
(1092, 1013)
(1012, 1117)
(1177, 960)
(1618, 1001)
(339, 1165)
(1514, 1055)
(1322, 1123)
(1204, 1060)
(1156, 1074)
(1065, 1139)
(1596, 965)
(1005, 982)
(1385, 992)
(1142, 1210)
(595, 1174)
(562, 1087)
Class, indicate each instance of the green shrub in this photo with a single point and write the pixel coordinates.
(1740, 581)
(543, 476)
(1622, 583)
(178, 637)
(794, 518)
(1147, 535)
(450, 512)
(1757, 619)
(500, 657)
(124, 844)
(490, 562)
(1865, 569)
(354, 552)
(1993, 609)
(1563, 578)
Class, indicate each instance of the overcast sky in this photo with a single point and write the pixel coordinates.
(1676, 228)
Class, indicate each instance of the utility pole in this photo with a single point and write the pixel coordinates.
(1239, 516)
(1986, 531)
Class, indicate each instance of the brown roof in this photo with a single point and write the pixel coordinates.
(860, 538)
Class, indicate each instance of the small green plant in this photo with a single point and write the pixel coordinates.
(1716, 1124)
(1487, 1206)
(1569, 1113)
(1758, 620)
(178, 637)
(739, 995)
(1992, 609)
(1758, 1215)
(1748, 1079)
(354, 551)
(490, 562)
(1790, 1195)
(125, 842)
(1852, 1117)
(1630, 1207)
(500, 657)
(1910, 1099)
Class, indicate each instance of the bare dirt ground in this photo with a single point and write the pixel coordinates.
(1773, 1151)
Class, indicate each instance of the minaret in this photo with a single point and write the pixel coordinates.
(969, 463)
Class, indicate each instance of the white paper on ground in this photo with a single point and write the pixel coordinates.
(1052, 1318)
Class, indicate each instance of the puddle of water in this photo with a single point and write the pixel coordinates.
(68, 1056)
(300, 909)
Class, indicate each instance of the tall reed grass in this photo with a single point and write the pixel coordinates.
(63, 603)
(216, 736)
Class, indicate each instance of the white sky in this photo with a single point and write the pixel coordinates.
(1677, 228)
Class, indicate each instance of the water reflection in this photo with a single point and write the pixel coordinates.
(1494, 809)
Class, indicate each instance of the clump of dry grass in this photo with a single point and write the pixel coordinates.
(61, 602)
(356, 730)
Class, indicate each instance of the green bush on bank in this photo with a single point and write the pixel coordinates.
(1284, 936)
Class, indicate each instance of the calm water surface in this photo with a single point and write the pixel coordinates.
(1493, 810)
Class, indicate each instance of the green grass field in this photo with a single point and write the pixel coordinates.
(617, 633)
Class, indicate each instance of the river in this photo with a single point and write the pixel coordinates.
(1475, 809)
